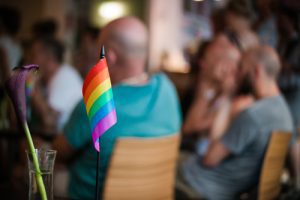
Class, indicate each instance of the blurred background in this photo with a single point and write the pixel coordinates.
(183, 26)
(179, 31)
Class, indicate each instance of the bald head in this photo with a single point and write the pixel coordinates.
(128, 36)
(126, 43)
(267, 58)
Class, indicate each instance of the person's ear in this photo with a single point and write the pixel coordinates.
(111, 57)
(258, 71)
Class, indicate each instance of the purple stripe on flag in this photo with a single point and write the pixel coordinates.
(97, 145)
(102, 126)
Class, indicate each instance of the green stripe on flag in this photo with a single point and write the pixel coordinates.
(102, 100)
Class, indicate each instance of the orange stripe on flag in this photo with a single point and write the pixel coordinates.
(98, 79)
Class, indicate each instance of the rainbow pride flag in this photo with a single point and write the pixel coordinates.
(98, 99)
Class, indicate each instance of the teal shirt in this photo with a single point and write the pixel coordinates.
(150, 110)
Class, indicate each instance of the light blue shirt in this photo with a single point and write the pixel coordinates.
(247, 140)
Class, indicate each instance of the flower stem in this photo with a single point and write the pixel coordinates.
(38, 174)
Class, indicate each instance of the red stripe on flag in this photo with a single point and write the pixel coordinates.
(98, 67)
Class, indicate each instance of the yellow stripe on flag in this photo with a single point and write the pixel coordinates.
(99, 90)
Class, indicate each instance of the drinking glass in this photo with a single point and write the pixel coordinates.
(46, 159)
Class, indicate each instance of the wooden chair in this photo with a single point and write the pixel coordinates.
(142, 168)
(269, 184)
(271, 171)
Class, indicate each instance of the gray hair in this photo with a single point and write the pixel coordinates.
(268, 58)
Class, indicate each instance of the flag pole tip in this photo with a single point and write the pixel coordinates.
(102, 53)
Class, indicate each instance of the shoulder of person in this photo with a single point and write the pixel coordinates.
(162, 79)
(262, 106)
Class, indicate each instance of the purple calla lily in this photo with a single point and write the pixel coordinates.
(15, 87)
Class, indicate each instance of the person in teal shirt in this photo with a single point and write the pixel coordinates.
(151, 110)
(146, 106)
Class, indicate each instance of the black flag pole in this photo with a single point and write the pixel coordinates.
(97, 193)
(97, 176)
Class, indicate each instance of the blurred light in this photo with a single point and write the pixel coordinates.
(111, 10)
(198, 0)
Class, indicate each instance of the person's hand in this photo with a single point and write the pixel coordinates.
(206, 91)
(241, 103)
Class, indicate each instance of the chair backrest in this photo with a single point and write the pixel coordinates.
(269, 184)
(142, 168)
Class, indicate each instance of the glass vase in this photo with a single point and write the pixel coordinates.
(46, 159)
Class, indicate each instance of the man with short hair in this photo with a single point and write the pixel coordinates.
(232, 163)
(146, 106)
(60, 83)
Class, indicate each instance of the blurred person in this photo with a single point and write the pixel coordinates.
(238, 99)
(215, 84)
(228, 103)
(239, 15)
(232, 163)
(10, 56)
(211, 109)
(242, 39)
(217, 20)
(289, 81)
(59, 88)
(10, 21)
(88, 51)
(139, 99)
(44, 29)
(289, 49)
(265, 25)
(69, 35)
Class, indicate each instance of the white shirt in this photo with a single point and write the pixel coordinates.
(64, 92)
(12, 50)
